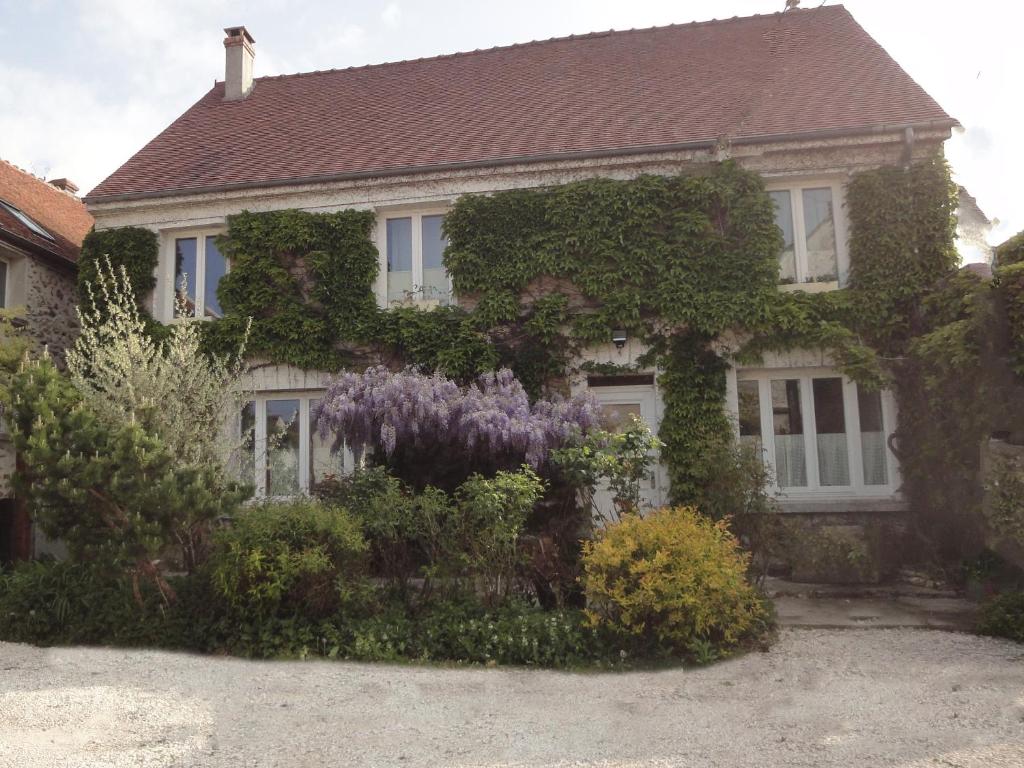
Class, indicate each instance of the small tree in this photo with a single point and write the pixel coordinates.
(126, 456)
(171, 389)
(622, 460)
(112, 491)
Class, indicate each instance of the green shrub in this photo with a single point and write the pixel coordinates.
(466, 632)
(492, 514)
(51, 603)
(672, 583)
(1003, 616)
(298, 558)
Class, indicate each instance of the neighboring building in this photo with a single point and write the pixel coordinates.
(42, 225)
(805, 98)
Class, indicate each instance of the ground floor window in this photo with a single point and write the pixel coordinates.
(282, 451)
(819, 431)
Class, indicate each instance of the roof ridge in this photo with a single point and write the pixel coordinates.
(549, 40)
(41, 179)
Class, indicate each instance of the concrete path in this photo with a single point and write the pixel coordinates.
(905, 698)
(879, 607)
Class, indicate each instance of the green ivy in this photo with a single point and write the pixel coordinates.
(682, 263)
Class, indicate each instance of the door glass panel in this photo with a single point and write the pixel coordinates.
(750, 413)
(322, 461)
(185, 266)
(820, 231)
(247, 446)
(872, 437)
(617, 417)
(788, 430)
(784, 220)
(282, 447)
(435, 279)
(216, 268)
(399, 250)
(830, 422)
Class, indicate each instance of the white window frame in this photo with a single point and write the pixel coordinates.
(795, 189)
(416, 214)
(851, 414)
(305, 438)
(168, 291)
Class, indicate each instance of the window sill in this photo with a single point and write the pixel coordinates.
(832, 285)
(834, 505)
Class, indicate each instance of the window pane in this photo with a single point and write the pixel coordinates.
(872, 438)
(399, 251)
(247, 448)
(784, 220)
(216, 268)
(435, 279)
(830, 422)
(820, 231)
(185, 266)
(283, 447)
(3, 283)
(788, 428)
(750, 413)
(618, 417)
(322, 461)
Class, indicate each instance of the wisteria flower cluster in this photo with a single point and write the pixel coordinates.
(490, 418)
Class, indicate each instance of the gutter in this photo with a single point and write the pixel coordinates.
(831, 133)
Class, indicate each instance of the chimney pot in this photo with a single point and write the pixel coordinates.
(239, 50)
(65, 184)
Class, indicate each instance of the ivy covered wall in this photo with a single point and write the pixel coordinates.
(676, 261)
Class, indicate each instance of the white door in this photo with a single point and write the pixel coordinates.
(617, 405)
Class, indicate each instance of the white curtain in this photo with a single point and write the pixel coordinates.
(790, 461)
(833, 459)
(873, 451)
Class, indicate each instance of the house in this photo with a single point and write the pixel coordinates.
(805, 98)
(42, 225)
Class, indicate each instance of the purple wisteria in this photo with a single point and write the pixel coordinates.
(488, 419)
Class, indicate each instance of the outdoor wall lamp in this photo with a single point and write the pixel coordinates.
(619, 338)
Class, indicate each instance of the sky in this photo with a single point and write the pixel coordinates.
(84, 84)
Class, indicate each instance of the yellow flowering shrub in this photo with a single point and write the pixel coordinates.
(672, 583)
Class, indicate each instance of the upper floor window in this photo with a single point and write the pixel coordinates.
(414, 246)
(811, 249)
(818, 431)
(198, 269)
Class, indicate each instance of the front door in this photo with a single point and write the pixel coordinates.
(618, 404)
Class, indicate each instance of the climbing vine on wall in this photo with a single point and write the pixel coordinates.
(686, 264)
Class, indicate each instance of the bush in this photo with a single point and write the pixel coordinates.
(515, 633)
(50, 603)
(1003, 616)
(299, 558)
(671, 584)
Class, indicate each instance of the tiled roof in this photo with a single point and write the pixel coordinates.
(60, 213)
(805, 71)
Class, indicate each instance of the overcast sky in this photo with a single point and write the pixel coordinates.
(84, 84)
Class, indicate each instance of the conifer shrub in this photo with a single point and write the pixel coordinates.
(671, 584)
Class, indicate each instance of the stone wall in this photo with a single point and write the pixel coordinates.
(50, 301)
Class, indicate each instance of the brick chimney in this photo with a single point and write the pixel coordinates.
(239, 48)
(65, 184)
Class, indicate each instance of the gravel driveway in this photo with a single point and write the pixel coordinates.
(819, 698)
